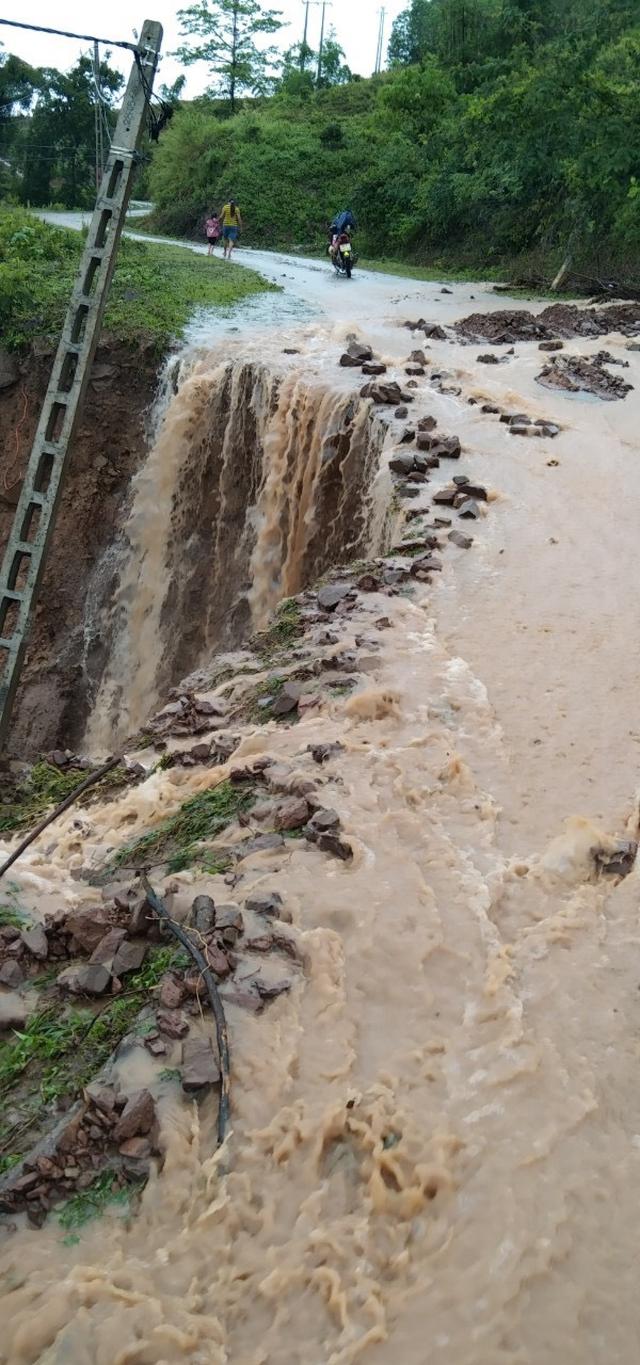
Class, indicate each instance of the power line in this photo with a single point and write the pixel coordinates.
(62, 33)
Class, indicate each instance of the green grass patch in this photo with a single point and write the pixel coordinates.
(287, 627)
(47, 785)
(176, 841)
(9, 1161)
(92, 1202)
(154, 292)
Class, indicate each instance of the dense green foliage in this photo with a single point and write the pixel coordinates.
(154, 291)
(228, 37)
(505, 129)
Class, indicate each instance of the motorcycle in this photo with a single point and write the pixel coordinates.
(344, 259)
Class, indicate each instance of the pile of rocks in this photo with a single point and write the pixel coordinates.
(586, 374)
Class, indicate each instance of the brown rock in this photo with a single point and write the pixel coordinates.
(414, 369)
(401, 412)
(288, 698)
(229, 924)
(244, 999)
(331, 595)
(155, 1046)
(35, 942)
(203, 914)
(269, 905)
(445, 497)
(469, 510)
(129, 957)
(103, 1098)
(92, 979)
(172, 991)
(374, 367)
(458, 538)
(384, 393)
(418, 358)
(216, 960)
(330, 842)
(270, 990)
(137, 1117)
(173, 1023)
(550, 345)
(292, 814)
(87, 927)
(107, 947)
(137, 1147)
(199, 1066)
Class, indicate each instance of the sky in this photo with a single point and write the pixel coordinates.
(356, 23)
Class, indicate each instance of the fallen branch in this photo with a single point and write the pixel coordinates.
(59, 810)
(214, 996)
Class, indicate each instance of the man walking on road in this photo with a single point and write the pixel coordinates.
(231, 225)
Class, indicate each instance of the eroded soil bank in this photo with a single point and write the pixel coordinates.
(109, 447)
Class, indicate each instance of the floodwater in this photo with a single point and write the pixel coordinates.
(435, 1153)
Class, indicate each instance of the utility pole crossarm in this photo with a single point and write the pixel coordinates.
(26, 552)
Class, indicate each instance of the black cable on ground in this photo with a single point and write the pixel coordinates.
(216, 1003)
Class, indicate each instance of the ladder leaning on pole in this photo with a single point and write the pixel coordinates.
(25, 556)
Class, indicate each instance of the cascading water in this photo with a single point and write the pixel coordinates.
(255, 484)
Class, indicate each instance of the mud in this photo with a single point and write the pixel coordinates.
(109, 447)
(506, 326)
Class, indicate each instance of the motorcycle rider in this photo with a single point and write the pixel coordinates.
(342, 225)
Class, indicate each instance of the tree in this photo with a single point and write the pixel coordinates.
(300, 60)
(226, 31)
(18, 84)
(58, 145)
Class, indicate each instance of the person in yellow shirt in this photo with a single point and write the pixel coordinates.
(231, 225)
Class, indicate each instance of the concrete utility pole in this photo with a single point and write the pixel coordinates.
(324, 10)
(303, 45)
(380, 47)
(26, 553)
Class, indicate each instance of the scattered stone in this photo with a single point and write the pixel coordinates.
(13, 1011)
(108, 946)
(287, 699)
(425, 564)
(401, 463)
(203, 914)
(35, 942)
(389, 393)
(408, 436)
(199, 1066)
(129, 957)
(270, 990)
(332, 594)
(374, 367)
(171, 992)
(490, 407)
(489, 358)
(550, 345)
(91, 979)
(244, 999)
(155, 1045)
(619, 862)
(418, 358)
(11, 975)
(138, 1148)
(292, 814)
(632, 346)
(332, 843)
(445, 497)
(406, 490)
(104, 1098)
(368, 583)
(458, 538)
(434, 332)
(576, 374)
(269, 905)
(173, 1023)
(469, 510)
(401, 412)
(87, 927)
(260, 844)
(137, 1117)
(321, 753)
(229, 924)
(414, 370)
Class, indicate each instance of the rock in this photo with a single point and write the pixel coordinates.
(489, 358)
(403, 411)
(260, 844)
(129, 957)
(473, 490)
(433, 332)
(104, 1098)
(13, 1011)
(374, 367)
(332, 843)
(35, 942)
(269, 905)
(619, 862)
(320, 753)
(216, 959)
(155, 1045)
(390, 393)
(401, 463)
(11, 975)
(137, 1117)
(229, 923)
(458, 538)
(359, 351)
(91, 979)
(287, 699)
(137, 1147)
(418, 358)
(469, 510)
(425, 564)
(445, 497)
(332, 594)
(292, 814)
(632, 346)
(173, 1023)
(414, 369)
(270, 990)
(143, 919)
(245, 1000)
(203, 914)
(108, 946)
(199, 1066)
(550, 345)
(406, 490)
(424, 461)
(460, 480)
(322, 820)
(427, 423)
(368, 583)
(445, 290)
(490, 407)
(450, 448)
(87, 927)
(172, 991)
(408, 436)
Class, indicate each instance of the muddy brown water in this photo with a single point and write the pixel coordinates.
(436, 1137)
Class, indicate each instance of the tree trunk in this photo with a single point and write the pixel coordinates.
(234, 55)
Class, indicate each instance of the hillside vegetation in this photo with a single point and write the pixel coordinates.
(505, 131)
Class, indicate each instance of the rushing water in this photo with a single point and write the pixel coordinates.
(436, 1136)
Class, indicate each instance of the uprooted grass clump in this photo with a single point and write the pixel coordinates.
(106, 1189)
(59, 1051)
(46, 786)
(177, 840)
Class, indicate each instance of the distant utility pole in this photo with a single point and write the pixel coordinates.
(325, 3)
(380, 48)
(26, 553)
(98, 117)
(304, 48)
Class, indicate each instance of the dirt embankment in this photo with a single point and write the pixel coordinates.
(108, 449)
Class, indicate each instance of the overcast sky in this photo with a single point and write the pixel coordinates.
(355, 21)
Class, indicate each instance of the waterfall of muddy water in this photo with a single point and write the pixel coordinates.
(256, 482)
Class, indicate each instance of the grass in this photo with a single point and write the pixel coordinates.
(176, 841)
(287, 627)
(64, 1050)
(154, 292)
(92, 1202)
(46, 786)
